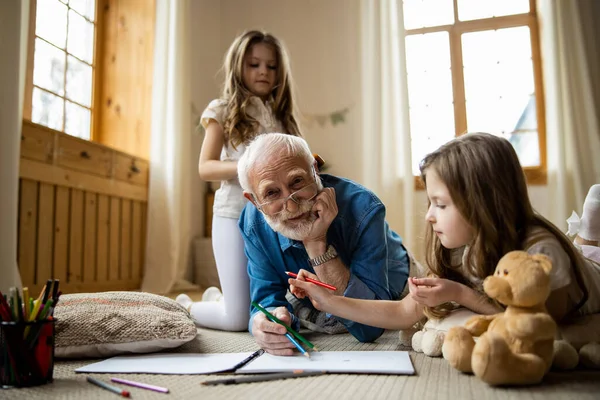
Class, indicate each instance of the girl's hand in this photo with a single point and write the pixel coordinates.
(317, 295)
(432, 292)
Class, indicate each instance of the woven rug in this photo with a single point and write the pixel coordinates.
(434, 378)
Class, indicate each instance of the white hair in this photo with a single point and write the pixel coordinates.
(266, 145)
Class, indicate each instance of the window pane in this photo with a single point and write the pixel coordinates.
(500, 89)
(429, 75)
(424, 13)
(87, 8)
(47, 109)
(77, 121)
(490, 47)
(81, 37)
(79, 81)
(430, 127)
(427, 52)
(429, 80)
(478, 9)
(49, 67)
(51, 22)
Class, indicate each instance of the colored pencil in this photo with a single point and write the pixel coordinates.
(106, 386)
(316, 282)
(280, 322)
(262, 377)
(140, 385)
(298, 346)
(26, 302)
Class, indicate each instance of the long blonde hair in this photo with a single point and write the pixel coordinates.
(239, 127)
(487, 184)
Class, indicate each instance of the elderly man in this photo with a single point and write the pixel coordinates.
(300, 219)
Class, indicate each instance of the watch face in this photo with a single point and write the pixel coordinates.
(331, 250)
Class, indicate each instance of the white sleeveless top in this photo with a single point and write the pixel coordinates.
(229, 198)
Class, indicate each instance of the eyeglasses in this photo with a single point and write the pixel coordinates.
(275, 207)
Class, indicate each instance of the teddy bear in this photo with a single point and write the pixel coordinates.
(514, 347)
(428, 337)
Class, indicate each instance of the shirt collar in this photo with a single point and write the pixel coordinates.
(258, 101)
(285, 242)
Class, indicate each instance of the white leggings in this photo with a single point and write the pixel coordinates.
(231, 313)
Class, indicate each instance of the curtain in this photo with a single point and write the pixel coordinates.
(385, 127)
(570, 66)
(169, 209)
(14, 17)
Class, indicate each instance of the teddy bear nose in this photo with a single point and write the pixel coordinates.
(505, 272)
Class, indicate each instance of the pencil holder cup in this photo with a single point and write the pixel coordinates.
(26, 353)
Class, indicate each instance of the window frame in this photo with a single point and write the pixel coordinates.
(96, 65)
(536, 175)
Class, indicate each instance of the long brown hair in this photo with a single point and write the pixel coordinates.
(487, 184)
(239, 127)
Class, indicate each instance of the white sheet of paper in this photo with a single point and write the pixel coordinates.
(167, 363)
(363, 362)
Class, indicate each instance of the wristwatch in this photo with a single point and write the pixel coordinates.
(329, 255)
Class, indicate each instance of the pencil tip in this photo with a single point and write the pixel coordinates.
(315, 348)
(307, 355)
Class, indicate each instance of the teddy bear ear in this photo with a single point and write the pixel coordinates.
(544, 261)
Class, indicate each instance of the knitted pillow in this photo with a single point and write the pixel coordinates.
(109, 323)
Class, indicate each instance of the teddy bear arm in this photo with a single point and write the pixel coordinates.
(477, 325)
(538, 326)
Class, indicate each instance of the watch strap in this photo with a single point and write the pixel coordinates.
(329, 255)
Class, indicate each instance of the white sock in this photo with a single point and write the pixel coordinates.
(184, 300)
(212, 293)
(590, 218)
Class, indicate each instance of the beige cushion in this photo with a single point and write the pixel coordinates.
(109, 323)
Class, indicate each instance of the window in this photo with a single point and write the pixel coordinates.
(474, 65)
(59, 90)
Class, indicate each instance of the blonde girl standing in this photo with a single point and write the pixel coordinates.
(257, 98)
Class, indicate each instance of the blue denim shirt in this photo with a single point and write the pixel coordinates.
(378, 261)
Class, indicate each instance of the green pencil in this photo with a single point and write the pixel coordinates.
(280, 322)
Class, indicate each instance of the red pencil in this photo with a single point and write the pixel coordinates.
(293, 275)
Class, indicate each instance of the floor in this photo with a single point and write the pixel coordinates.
(434, 378)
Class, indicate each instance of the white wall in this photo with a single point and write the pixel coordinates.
(205, 16)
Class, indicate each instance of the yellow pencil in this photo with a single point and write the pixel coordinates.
(26, 302)
(36, 310)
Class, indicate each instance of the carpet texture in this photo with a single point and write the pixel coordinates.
(434, 378)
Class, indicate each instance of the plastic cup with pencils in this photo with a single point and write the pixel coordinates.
(26, 339)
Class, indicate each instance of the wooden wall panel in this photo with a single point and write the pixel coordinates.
(125, 271)
(114, 234)
(89, 237)
(75, 265)
(126, 86)
(61, 233)
(84, 229)
(45, 237)
(136, 240)
(27, 229)
(102, 236)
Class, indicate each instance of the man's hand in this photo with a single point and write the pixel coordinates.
(432, 292)
(319, 296)
(325, 209)
(270, 336)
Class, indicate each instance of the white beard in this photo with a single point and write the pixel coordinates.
(301, 229)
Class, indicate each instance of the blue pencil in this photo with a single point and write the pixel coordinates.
(298, 346)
